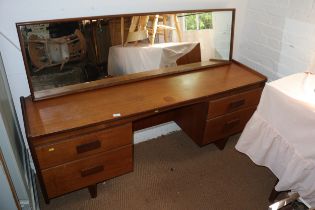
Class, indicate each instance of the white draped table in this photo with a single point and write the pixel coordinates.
(281, 134)
(144, 57)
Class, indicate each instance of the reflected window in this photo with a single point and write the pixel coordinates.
(198, 21)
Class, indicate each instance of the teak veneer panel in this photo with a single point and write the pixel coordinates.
(98, 106)
(234, 102)
(227, 125)
(83, 145)
(84, 172)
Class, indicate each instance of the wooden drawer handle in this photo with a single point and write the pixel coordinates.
(88, 147)
(232, 123)
(237, 104)
(91, 171)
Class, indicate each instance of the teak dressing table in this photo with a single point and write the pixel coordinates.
(77, 142)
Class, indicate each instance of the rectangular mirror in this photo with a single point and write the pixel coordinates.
(74, 55)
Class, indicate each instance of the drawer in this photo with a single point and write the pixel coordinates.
(84, 145)
(227, 125)
(91, 170)
(234, 103)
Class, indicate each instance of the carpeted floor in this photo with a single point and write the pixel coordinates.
(171, 172)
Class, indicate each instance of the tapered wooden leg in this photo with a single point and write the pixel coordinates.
(166, 39)
(221, 143)
(47, 201)
(93, 190)
(154, 29)
(273, 195)
(122, 30)
(178, 30)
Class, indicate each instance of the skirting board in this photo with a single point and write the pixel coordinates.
(154, 132)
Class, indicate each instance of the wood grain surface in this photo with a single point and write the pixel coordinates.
(227, 125)
(234, 103)
(88, 171)
(149, 96)
(84, 145)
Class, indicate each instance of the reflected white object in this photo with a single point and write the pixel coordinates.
(281, 134)
(143, 57)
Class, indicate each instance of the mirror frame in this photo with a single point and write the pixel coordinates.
(107, 82)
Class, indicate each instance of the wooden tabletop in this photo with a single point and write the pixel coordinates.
(97, 106)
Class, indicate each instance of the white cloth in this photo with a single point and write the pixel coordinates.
(281, 134)
(132, 59)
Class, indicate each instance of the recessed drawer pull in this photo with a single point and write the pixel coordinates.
(237, 104)
(231, 124)
(91, 171)
(88, 147)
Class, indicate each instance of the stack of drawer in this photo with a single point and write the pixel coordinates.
(87, 159)
(229, 115)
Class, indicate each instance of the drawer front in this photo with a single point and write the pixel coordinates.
(227, 125)
(234, 103)
(82, 146)
(82, 173)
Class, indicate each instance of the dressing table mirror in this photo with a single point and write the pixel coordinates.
(78, 54)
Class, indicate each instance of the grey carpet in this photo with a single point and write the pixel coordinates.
(171, 172)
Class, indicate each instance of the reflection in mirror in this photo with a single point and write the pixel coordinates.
(68, 52)
(212, 30)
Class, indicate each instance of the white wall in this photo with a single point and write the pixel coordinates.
(12, 11)
(279, 36)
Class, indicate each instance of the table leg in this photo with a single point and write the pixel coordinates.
(93, 190)
(220, 144)
(47, 201)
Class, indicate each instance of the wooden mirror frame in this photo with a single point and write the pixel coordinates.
(107, 82)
